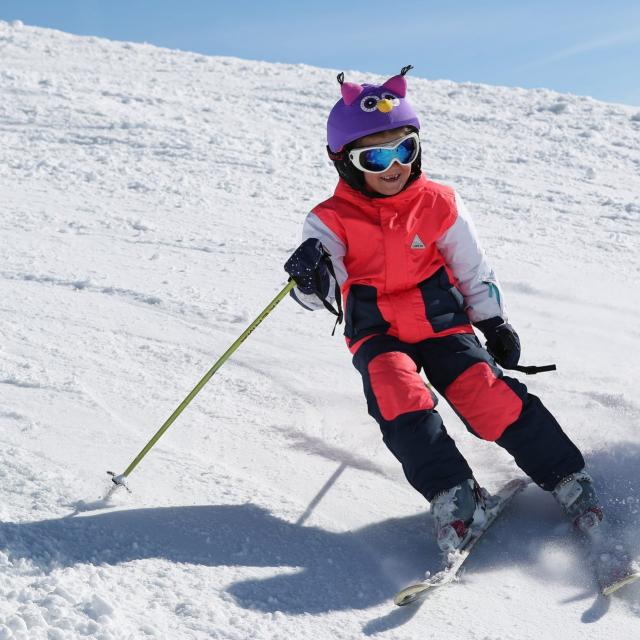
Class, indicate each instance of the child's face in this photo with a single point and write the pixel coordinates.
(392, 180)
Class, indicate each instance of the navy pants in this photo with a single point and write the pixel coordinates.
(492, 406)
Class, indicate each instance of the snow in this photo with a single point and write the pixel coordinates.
(149, 199)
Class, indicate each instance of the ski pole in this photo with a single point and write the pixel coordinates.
(120, 480)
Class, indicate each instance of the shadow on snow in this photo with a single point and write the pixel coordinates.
(335, 571)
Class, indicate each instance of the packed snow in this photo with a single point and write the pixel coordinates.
(149, 199)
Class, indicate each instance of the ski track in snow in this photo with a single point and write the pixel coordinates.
(149, 198)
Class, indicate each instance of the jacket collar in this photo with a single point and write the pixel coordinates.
(414, 190)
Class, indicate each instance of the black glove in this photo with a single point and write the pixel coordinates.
(502, 341)
(308, 267)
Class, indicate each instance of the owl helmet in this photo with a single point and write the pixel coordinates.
(367, 109)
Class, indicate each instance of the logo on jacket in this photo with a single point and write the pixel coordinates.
(417, 243)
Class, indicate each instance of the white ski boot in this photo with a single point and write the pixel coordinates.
(577, 497)
(454, 511)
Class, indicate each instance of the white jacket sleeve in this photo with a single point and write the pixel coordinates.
(315, 228)
(463, 254)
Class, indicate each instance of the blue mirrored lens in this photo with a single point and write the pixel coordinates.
(377, 159)
(381, 158)
(406, 150)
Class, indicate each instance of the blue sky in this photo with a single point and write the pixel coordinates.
(582, 47)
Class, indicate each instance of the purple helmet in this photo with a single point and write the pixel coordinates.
(366, 109)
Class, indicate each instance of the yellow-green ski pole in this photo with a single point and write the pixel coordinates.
(120, 480)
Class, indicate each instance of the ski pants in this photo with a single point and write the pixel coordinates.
(492, 406)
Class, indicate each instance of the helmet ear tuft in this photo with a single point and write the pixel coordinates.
(350, 92)
(397, 85)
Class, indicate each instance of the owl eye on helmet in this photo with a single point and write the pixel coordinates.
(390, 96)
(369, 103)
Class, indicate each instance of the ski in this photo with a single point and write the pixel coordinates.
(613, 566)
(454, 562)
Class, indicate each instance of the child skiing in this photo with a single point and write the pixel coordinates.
(402, 253)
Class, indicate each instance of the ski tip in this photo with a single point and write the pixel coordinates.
(402, 599)
(410, 594)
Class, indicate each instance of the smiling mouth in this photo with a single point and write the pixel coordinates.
(392, 178)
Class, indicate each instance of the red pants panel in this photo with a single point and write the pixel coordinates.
(397, 385)
(484, 401)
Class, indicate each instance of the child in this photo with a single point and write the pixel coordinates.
(403, 254)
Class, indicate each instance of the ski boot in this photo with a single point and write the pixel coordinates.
(609, 557)
(454, 510)
(577, 497)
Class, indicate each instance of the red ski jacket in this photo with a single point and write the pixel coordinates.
(408, 265)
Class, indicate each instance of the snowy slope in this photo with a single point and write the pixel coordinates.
(148, 199)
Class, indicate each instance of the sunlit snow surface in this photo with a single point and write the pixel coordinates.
(148, 200)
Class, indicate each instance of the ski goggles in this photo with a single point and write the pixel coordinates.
(379, 158)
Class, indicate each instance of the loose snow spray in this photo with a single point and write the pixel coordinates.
(120, 480)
